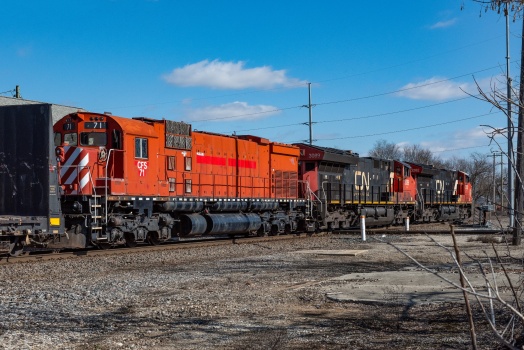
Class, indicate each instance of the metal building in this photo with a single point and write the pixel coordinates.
(57, 111)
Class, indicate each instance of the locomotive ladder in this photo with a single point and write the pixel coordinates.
(96, 222)
(309, 202)
(95, 209)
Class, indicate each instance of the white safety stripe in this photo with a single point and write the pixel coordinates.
(71, 177)
(84, 181)
(81, 166)
(70, 160)
(72, 166)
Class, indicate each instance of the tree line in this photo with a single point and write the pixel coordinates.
(477, 165)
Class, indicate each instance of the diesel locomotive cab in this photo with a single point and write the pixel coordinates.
(81, 144)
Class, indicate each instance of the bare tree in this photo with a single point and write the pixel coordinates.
(480, 172)
(498, 99)
(508, 329)
(418, 154)
(385, 150)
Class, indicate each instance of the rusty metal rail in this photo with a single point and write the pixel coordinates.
(190, 244)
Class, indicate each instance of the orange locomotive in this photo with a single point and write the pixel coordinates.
(135, 180)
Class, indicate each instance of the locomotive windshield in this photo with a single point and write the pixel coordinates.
(69, 139)
(93, 139)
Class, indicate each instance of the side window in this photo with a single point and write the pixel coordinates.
(406, 171)
(58, 139)
(140, 147)
(188, 186)
(170, 163)
(188, 163)
(116, 137)
(172, 184)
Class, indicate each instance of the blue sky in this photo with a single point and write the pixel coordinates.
(243, 67)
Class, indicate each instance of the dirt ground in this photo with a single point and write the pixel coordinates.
(287, 294)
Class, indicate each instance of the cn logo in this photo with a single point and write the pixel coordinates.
(142, 167)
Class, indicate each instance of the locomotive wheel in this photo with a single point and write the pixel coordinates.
(130, 240)
(152, 238)
(261, 233)
(16, 248)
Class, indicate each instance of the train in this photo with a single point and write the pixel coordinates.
(99, 180)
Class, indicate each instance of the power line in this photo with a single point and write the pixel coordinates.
(8, 91)
(349, 100)
(405, 89)
(460, 148)
(315, 82)
(359, 118)
(404, 130)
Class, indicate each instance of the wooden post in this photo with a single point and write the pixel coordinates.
(463, 284)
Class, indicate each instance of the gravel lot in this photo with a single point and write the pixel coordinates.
(238, 296)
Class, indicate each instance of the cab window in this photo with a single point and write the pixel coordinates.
(70, 139)
(140, 147)
(310, 166)
(93, 139)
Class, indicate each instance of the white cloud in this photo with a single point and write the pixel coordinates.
(436, 88)
(229, 75)
(444, 24)
(461, 141)
(234, 111)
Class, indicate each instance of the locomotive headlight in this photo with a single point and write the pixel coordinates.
(58, 159)
(57, 151)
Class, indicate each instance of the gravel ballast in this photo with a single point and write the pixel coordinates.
(238, 296)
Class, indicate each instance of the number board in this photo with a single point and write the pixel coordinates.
(95, 125)
(69, 126)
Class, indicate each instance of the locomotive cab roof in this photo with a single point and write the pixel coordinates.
(328, 154)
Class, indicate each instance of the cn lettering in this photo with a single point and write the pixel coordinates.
(142, 167)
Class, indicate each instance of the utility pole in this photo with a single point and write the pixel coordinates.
(517, 228)
(501, 180)
(17, 92)
(310, 123)
(511, 162)
(494, 200)
(494, 179)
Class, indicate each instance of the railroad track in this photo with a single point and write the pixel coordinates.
(208, 242)
(186, 244)
(429, 232)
